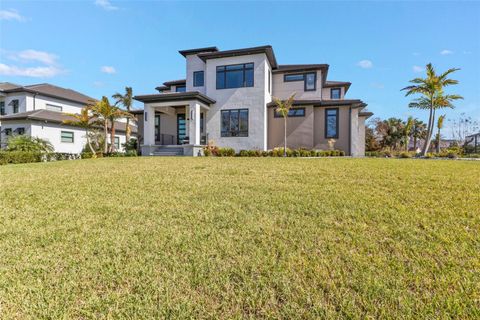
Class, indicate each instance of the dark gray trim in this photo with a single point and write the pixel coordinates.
(325, 103)
(293, 74)
(337, 123)
(175, 82)
(175, 96)
(314, 82)
(276, 115)
(225, 71)
(268, 50)
(187, 52)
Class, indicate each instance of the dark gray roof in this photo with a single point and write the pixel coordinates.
(299, 67)
(53, 116)
(175, 96)
(197, 50)
(366, 114)
(268, 50)
(50, 90)
(325, 103)
(162, 88)
(175, 82)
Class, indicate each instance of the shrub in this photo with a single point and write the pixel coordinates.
(404, 155)
(7, 157)
(28, 144)
(226, 152)
(452, 155)
(243, 153)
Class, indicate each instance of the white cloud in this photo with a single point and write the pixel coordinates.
(446, 52)
(365, 64)
(36, 72)
(105, 4)
(11, 15)
(35, 55)
(108, 69)
(418, 69)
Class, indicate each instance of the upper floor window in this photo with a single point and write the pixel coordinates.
(66, 136)
(309, 80)
(2, 108)
(14, 104)
(335, 93)
(52, 107)
(234, 123)
(198, 79)
(293, 112)
(180, 88)
(235, 76)
(331, 123)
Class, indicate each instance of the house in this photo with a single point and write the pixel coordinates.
(39, 111)
(226, 97)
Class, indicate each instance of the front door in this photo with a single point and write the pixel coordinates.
(181, 127)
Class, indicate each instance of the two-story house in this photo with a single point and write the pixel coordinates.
(226, 98)
(40, 110)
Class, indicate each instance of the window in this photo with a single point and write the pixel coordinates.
(198, 79)
(335, 93)
(235, 76)
(201, 122)
(117, 143)
(309, 80)
(8, 132)
(234, 123)
(14, 104)
(331, 123)
(20, 131)
(294, 112)
(2, 108)
(52, 107)
(66, 136)
(180, 89)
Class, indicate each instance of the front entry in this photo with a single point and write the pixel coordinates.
(181, 128)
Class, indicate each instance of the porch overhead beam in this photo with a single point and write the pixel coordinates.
(166, 110)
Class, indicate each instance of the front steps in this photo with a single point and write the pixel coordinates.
(168, 151)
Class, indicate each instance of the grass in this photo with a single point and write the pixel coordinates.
(240, 238)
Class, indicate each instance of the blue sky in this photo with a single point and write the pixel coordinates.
(98, 47)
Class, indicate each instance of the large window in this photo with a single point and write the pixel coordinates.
(14, 104)
(309, 80)
(198, 79)
(180, 88)
(335, 93)
(235, 123)
(66, 136)
(294, 112)
(2, 108)
(235, 76)
(52, 107)
(331, 123)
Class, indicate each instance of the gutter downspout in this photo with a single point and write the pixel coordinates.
(350, 131)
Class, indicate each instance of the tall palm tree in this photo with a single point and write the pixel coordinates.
(114, 116)
(418, 132)
(283, 107)
(126, 101)
(104, 111)
(85, 121)
(439, 127)
(408, 131)
(431, 89)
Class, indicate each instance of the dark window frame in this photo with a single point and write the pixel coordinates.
(195, 84)
(277, 115)
(339, 93)
(225, 71)
(293, 74)
(337, 113)
(15, 105)
(61, 136)
(182, 86)
(304, 79)
(2, 108)
(117, 142)
(229, 117)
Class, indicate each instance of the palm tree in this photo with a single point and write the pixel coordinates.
(418, 132)
(85, 121)
(283, 107)
(114, 116)
(104, 111)
(439, 127)
(408, 131)
(126, 101)
(431, 89)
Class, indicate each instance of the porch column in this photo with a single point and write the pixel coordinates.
(148, 125)
(194, 123)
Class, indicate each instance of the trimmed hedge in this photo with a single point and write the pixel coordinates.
(14, 157)
(278, 152)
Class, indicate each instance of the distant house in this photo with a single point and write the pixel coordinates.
(39, 111)
(226, 97)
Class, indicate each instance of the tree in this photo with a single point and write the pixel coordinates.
(29, 144)
(439, 127)
(431, 89)
(283, 107)
(126, 101)
(391, 132)
(408, 131)
(418, 132)
(85, 121)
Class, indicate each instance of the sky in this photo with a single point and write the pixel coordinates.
(98, 47)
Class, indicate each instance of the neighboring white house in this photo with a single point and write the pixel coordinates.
(39, 111)
(226, 98)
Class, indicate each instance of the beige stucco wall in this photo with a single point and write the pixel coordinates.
(299, 130)
(194, 63)
(283, 90)
(326, 94)
(320, 142)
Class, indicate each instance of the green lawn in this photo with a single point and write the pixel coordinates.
(240, 238)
